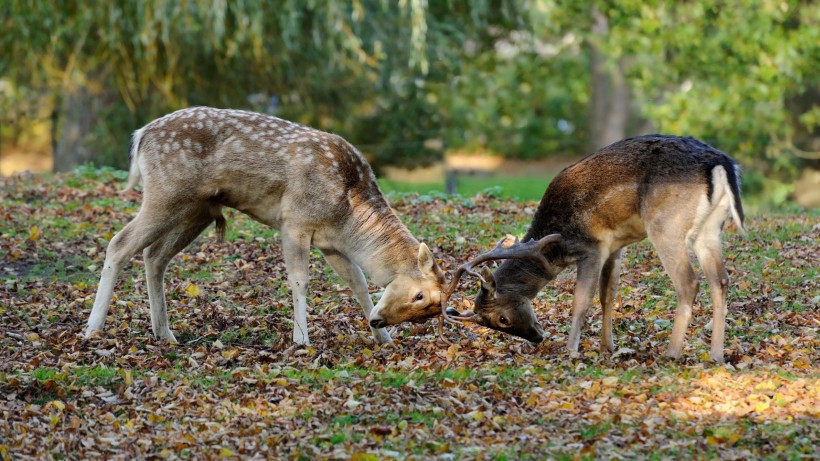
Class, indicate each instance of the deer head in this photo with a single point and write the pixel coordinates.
(411, 297)
(509, 312)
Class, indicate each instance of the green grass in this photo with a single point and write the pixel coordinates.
(521, 187)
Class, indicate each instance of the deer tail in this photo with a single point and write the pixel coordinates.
(134, 175)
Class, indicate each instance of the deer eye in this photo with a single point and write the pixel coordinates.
(419, 296)
(503, 320)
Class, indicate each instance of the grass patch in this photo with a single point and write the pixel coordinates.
(521, 188)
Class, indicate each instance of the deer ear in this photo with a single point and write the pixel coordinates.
(488, 286)
(427, 264)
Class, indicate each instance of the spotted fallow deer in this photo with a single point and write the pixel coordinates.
(313, 186)
(676, 191)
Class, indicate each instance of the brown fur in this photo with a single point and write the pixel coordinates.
(676, 191)
(313, 186)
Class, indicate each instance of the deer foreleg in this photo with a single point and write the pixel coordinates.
(353, 276)
(296, 250)
(589, 271)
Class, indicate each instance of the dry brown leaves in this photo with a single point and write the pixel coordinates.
(235, 388)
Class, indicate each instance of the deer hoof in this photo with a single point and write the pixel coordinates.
(673, 354)
(716, 357)
(92, 333)
(167, 336)
(301, 340)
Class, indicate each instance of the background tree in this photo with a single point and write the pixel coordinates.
(409, 80)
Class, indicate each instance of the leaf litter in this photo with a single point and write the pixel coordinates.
(234, 387)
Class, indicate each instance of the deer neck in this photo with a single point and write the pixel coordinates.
(527, 277)
(376, 240)
(522, 277)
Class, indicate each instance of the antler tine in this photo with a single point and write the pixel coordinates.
(532, 249)
(445, 296)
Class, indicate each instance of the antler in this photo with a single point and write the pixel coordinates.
(507, 248)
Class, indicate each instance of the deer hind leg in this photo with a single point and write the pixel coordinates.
(610, 275)
(296, 250)
(353, 276)
(156, 256)
(672, 251)
(707, 249)
(589, 271)
(145, 228)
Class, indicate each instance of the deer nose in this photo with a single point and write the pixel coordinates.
(538, 335)
(378, 323)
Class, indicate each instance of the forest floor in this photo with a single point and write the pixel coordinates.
(235, 388)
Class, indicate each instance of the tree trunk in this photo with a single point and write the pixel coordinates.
(78, 113)
(609, 105)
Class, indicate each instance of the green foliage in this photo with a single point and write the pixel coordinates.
(407, 81)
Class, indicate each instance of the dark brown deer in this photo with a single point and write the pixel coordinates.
(313, 186)
(676, 191)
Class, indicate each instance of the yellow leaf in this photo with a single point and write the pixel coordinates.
(58, 404)
(225, 453)
(568, 406)
(476, 415)
(230, 354)
(760, 407)
(34, 233)
(610, 381)
(780, 400)
(129, 377)
(192, 290)
(767, 385)
(452, 351)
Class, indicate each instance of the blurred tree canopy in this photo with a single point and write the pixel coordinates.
(405, 80)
